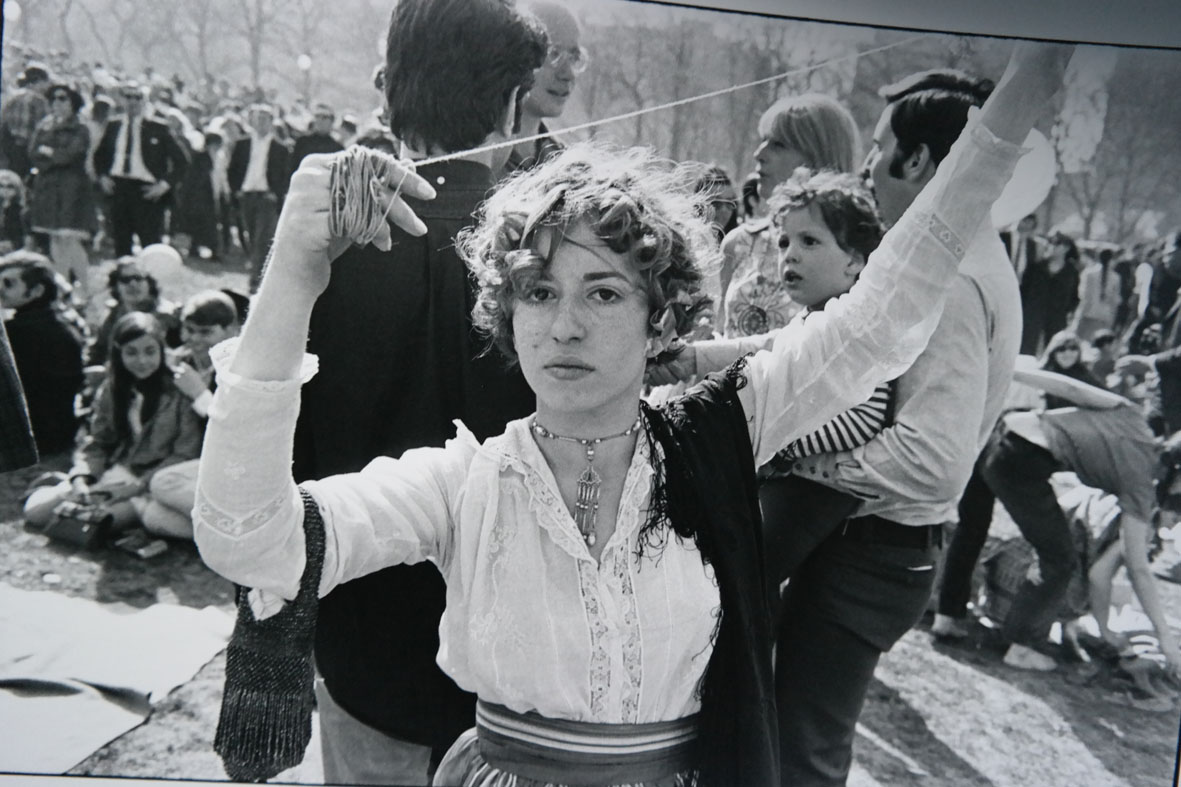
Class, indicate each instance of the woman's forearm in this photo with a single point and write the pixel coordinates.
(275, 334)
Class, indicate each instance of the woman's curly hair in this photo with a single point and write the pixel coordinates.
(641, 206)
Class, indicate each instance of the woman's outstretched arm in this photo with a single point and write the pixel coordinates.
(247, 517)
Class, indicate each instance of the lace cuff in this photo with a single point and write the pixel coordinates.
(222, 354)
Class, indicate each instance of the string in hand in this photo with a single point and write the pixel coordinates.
(356, 179)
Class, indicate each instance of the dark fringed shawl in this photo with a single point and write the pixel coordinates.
(706, 490)
(266, 707)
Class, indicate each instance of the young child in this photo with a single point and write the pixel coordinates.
(826, 226)
(141, 423)
(207, 318)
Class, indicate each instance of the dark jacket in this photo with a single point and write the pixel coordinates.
(161, 153)
(278, 166)
(313, 143)
(399, 361)
(62, 196)
(17, 446)
(48, 355)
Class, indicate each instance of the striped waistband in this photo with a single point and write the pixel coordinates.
(572, 752)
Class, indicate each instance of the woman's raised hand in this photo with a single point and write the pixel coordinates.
(361, 186)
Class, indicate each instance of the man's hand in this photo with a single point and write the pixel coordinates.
(1135, 365)
(156, 190)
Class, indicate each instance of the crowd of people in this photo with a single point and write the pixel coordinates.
(614, 580)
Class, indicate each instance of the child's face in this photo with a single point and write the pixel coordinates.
(813, 265)
(141, 357)
(199, 338)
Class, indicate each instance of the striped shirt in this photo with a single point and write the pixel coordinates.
(854, 427)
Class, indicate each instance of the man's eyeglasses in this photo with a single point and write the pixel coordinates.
(132, 278)
(575, 56)
(61, 97)
(133, 97)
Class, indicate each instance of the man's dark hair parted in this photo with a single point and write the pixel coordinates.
(451, 66)
(34, 269)
(931, 108)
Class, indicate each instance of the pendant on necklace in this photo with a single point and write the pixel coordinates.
(586, 504)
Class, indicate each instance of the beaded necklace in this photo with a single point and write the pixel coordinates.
(586, 503)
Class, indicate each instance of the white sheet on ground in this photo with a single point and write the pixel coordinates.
(75, 674)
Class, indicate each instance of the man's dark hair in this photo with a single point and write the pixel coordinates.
(34, 269)
(451, 66)
(931, 108)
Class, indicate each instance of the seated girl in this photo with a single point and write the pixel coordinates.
(140, 424)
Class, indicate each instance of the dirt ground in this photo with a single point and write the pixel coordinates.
(936, 715)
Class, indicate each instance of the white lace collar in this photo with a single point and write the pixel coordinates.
(517, 450)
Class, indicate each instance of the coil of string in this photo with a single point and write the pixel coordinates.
(355, 182)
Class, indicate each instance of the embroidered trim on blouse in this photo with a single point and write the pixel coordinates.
(208, 515)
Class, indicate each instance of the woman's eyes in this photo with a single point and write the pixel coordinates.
(605, 295)
(542, 294)
(538, 295)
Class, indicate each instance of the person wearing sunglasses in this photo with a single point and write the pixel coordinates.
(1064, 355)
(61, 201)
(133, 289)
(139, 164)
(553, 83)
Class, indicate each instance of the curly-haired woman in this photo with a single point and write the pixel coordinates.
(602, 558)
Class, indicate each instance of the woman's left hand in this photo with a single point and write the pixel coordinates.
(304, 247)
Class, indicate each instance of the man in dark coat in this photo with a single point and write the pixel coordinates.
(399, 361)
(47, 350)
(258, 173)
(319, 138)
(139, 164)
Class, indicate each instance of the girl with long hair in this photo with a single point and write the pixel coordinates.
(140, 424)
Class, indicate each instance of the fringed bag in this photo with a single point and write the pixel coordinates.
(266, 708)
